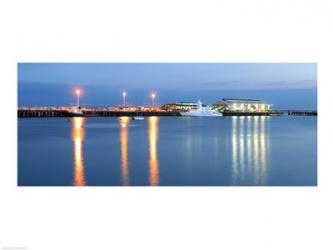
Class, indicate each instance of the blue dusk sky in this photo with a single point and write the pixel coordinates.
(285, 85)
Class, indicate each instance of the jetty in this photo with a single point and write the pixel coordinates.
(302, 112)
(92, 113)
(101, 112)
(238, 113)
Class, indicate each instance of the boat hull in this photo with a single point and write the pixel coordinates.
(138, 118)
(75, 114)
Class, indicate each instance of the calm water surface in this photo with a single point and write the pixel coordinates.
(167, 151)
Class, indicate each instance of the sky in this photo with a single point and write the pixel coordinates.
(284, 85)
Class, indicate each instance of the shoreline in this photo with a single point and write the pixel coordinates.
(65, 113)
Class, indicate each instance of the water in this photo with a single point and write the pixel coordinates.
(168, 151)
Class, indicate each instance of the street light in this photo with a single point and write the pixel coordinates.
(78, 92)
(153, 96)
(124, 97)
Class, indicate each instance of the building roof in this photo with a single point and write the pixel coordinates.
(186, 103)
(183, 103)
(239, 100)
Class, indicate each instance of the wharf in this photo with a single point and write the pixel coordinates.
(302, 112)
(99, 113)
(231, 113)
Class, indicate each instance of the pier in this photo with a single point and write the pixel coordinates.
(42, 113)
(129, 113)
(234, 113)
(21, 113)
(92, 113)
(302, 112)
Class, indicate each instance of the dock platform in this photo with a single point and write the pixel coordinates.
(302, 113)
(63, 113)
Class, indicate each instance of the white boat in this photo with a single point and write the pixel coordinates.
(202, 111)
(138, 118)
(75, 112)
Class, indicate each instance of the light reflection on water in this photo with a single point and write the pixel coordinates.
(168, 151)
(250, 149)
(78, 133)
(153, 157)
(240, 151)
(249, 145)
(78, 137)
(124, 122)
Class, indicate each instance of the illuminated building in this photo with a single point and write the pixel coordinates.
(243, 105)
(180, 106)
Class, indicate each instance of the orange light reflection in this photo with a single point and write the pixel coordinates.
(124, 122)
(153, 140)
(78, 134)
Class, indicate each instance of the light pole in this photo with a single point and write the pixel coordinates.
(124, 98)
(78, 92)
(153, 96)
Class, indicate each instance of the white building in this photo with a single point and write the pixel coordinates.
(246, 105)
(180, 106)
